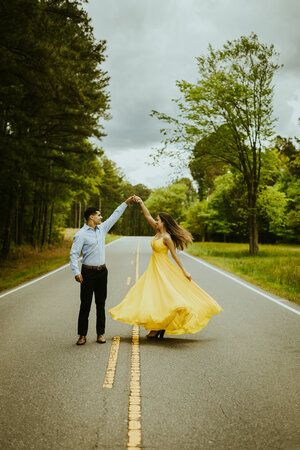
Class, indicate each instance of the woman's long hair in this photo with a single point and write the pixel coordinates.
(179, 235)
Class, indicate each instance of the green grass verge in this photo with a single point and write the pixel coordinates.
(276, 268)
(26, 263)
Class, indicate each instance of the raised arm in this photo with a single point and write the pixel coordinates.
(115, 216)
(146, 212)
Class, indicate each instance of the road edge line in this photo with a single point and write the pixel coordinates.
(35, 280)
(243, 283)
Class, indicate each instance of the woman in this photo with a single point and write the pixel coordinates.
(165, 299)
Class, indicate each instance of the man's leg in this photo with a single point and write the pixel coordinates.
(86, 295)
(100, 297)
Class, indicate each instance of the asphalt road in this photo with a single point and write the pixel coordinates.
(233, 385)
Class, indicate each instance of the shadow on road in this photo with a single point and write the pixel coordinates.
(168, 341)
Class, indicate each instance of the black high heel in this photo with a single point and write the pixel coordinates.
(158, 335)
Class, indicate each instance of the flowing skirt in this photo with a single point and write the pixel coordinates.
(164, 299)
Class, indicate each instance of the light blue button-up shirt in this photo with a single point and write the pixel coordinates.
(91, 242)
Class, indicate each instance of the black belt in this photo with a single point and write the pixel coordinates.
(103, 266)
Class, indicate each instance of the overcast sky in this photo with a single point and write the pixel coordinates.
(153, 43)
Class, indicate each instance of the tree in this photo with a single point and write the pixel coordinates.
(272, 211)
(227, 209)
(53, 98)
(173, 199)
(204, 166)
(232, 103)
(197, 219)
(289, 183)
(134, 222)
(111, 192)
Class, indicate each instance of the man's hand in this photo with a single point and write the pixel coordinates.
(79, 278)
(130, 200)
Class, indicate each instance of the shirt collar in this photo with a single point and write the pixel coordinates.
(86, 227)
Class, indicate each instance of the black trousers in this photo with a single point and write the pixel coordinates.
(94, 282)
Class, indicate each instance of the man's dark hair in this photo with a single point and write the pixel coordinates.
(89, 211)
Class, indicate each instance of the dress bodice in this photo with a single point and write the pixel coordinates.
(158, 246)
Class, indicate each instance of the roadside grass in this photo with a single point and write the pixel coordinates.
(276, 268)
(26, 263)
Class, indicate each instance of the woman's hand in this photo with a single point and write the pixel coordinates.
(138, 199)
(188, 275)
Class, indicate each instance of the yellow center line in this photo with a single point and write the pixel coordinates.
(112, 362)
(134, 407)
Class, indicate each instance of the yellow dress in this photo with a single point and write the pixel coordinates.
(164, 299)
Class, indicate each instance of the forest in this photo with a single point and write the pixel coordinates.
(55, 100)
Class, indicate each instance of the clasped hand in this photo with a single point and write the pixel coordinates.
(134, 199)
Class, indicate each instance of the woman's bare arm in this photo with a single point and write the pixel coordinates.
(168, 241)
(146, 212)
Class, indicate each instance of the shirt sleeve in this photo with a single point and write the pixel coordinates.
(75, 253)
(107, 224)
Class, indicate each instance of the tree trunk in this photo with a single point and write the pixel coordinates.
(7, 232)
(79, 215)
(45, 216)
(75, 214)
(34, 220)
(44, 224)
(51, 223)
(17, 221)
(21, 218)
(253, 231)
(40, 223)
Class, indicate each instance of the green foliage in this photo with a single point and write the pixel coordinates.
(222, 216)
(275, 268)
(293, 211)
(233, 92)
(289, 183)
(53, 98)
(204, 167)
(111, 189)
(290, 154)
(227, 114)
(133, 221)
(272, 210)
(25, 263)
(197, 219)
(173, 199)
(227, 209)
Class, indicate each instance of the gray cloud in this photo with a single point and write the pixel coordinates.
(153, 43)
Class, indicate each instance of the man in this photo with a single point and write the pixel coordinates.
(90, 240)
